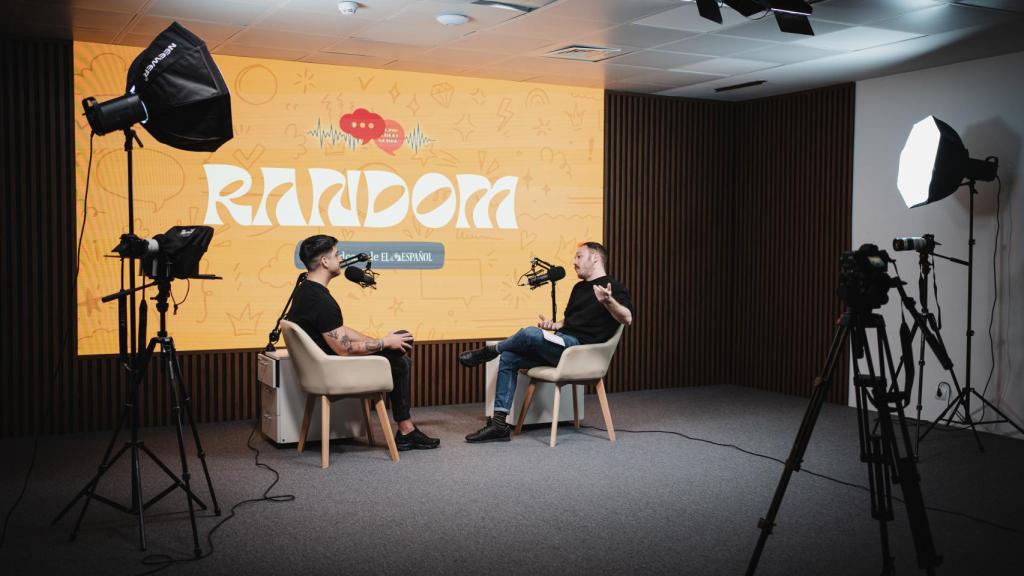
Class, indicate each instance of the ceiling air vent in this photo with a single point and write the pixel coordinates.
(584, 53)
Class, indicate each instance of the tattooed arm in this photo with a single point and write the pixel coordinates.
(348, 342)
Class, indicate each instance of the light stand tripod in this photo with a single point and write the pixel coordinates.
(889, 458)
(180, 401)
(963, 398)
(931, 336)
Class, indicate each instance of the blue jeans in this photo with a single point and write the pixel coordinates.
(524, 349)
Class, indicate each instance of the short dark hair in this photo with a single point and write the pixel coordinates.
(602, 252)
(313, 248)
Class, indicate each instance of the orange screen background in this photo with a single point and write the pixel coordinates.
(546, 140)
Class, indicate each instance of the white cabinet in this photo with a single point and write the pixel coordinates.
(283, 402)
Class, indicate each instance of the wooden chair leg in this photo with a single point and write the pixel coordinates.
(306, 418)
(325, 431)
(603, 399)
(366, 420)
(554, 414)
(525, 407)
(575, 407)
(385, 424)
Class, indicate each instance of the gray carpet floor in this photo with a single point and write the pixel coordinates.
(650, 503)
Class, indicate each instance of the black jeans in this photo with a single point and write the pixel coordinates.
(401, 367)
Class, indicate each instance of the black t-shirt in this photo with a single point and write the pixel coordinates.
(586, 318)
(315, 310)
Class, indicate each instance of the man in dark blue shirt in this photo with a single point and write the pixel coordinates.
(316, 311)
(597, 306)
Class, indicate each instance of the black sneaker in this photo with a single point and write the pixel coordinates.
(415, 440)
(477, 356)
(490, 433)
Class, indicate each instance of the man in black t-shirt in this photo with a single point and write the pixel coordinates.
(316, 311)
(597, 306)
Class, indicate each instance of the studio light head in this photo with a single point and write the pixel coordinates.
(790, 15)
(934, 163)
(175, 90)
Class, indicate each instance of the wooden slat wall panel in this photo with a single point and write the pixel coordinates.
(725, 220)
(667, 194)
(791, 220)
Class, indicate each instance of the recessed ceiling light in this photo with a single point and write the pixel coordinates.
(452, 19)
(348, 8)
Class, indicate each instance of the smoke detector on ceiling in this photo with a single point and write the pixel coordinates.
(452, 19)
(348, 8)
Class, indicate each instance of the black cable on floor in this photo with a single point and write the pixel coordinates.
(163, 561)
(811, 472)
(63, 352)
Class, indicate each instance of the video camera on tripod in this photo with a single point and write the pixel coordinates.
(173, 254)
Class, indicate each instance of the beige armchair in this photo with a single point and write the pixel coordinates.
(584, 364)
(332, 378)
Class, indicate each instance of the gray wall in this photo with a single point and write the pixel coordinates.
(981, 100)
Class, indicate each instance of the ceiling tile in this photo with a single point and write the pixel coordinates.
(93, 35)
(274, 39)
(857, 12)
(99, 20)
(482, 16)
(673, 78)
(388, 50)
(635, 35)
(465, 58)
(347, 60)
(418, 29)
(789, 54)
(150, 26)
(568, 81)
(428, 67)
(687, 18)
(768, 29)
(1011, 5)
(551, 28)
(728, 66)
(714, 45)
(221, 11)
(656, 59)
(610, 11)
(942, 19)
(300, 22)
(500, 73)
(853, 39)
(260, 52)
(125, 6)
(490, 42)
(368, 9)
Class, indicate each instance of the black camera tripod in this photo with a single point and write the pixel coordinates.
(890, 458)
(180, 402)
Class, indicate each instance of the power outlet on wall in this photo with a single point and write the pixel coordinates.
(942, 391)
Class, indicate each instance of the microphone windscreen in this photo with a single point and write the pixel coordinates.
(354, 274)
(556, 273)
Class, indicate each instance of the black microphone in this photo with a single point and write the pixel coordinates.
(554, 274)
(361, 257)
(365, 278)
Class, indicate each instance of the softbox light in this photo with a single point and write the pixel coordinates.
(934, 163)
(175, 90)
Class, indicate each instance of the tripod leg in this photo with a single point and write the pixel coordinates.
(1004, 417)
(796, 454)
(904, 467)
(187, 405)
(170, 364)
(90, 487)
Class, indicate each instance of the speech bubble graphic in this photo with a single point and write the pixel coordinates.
(392, 138)
(362, 124)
